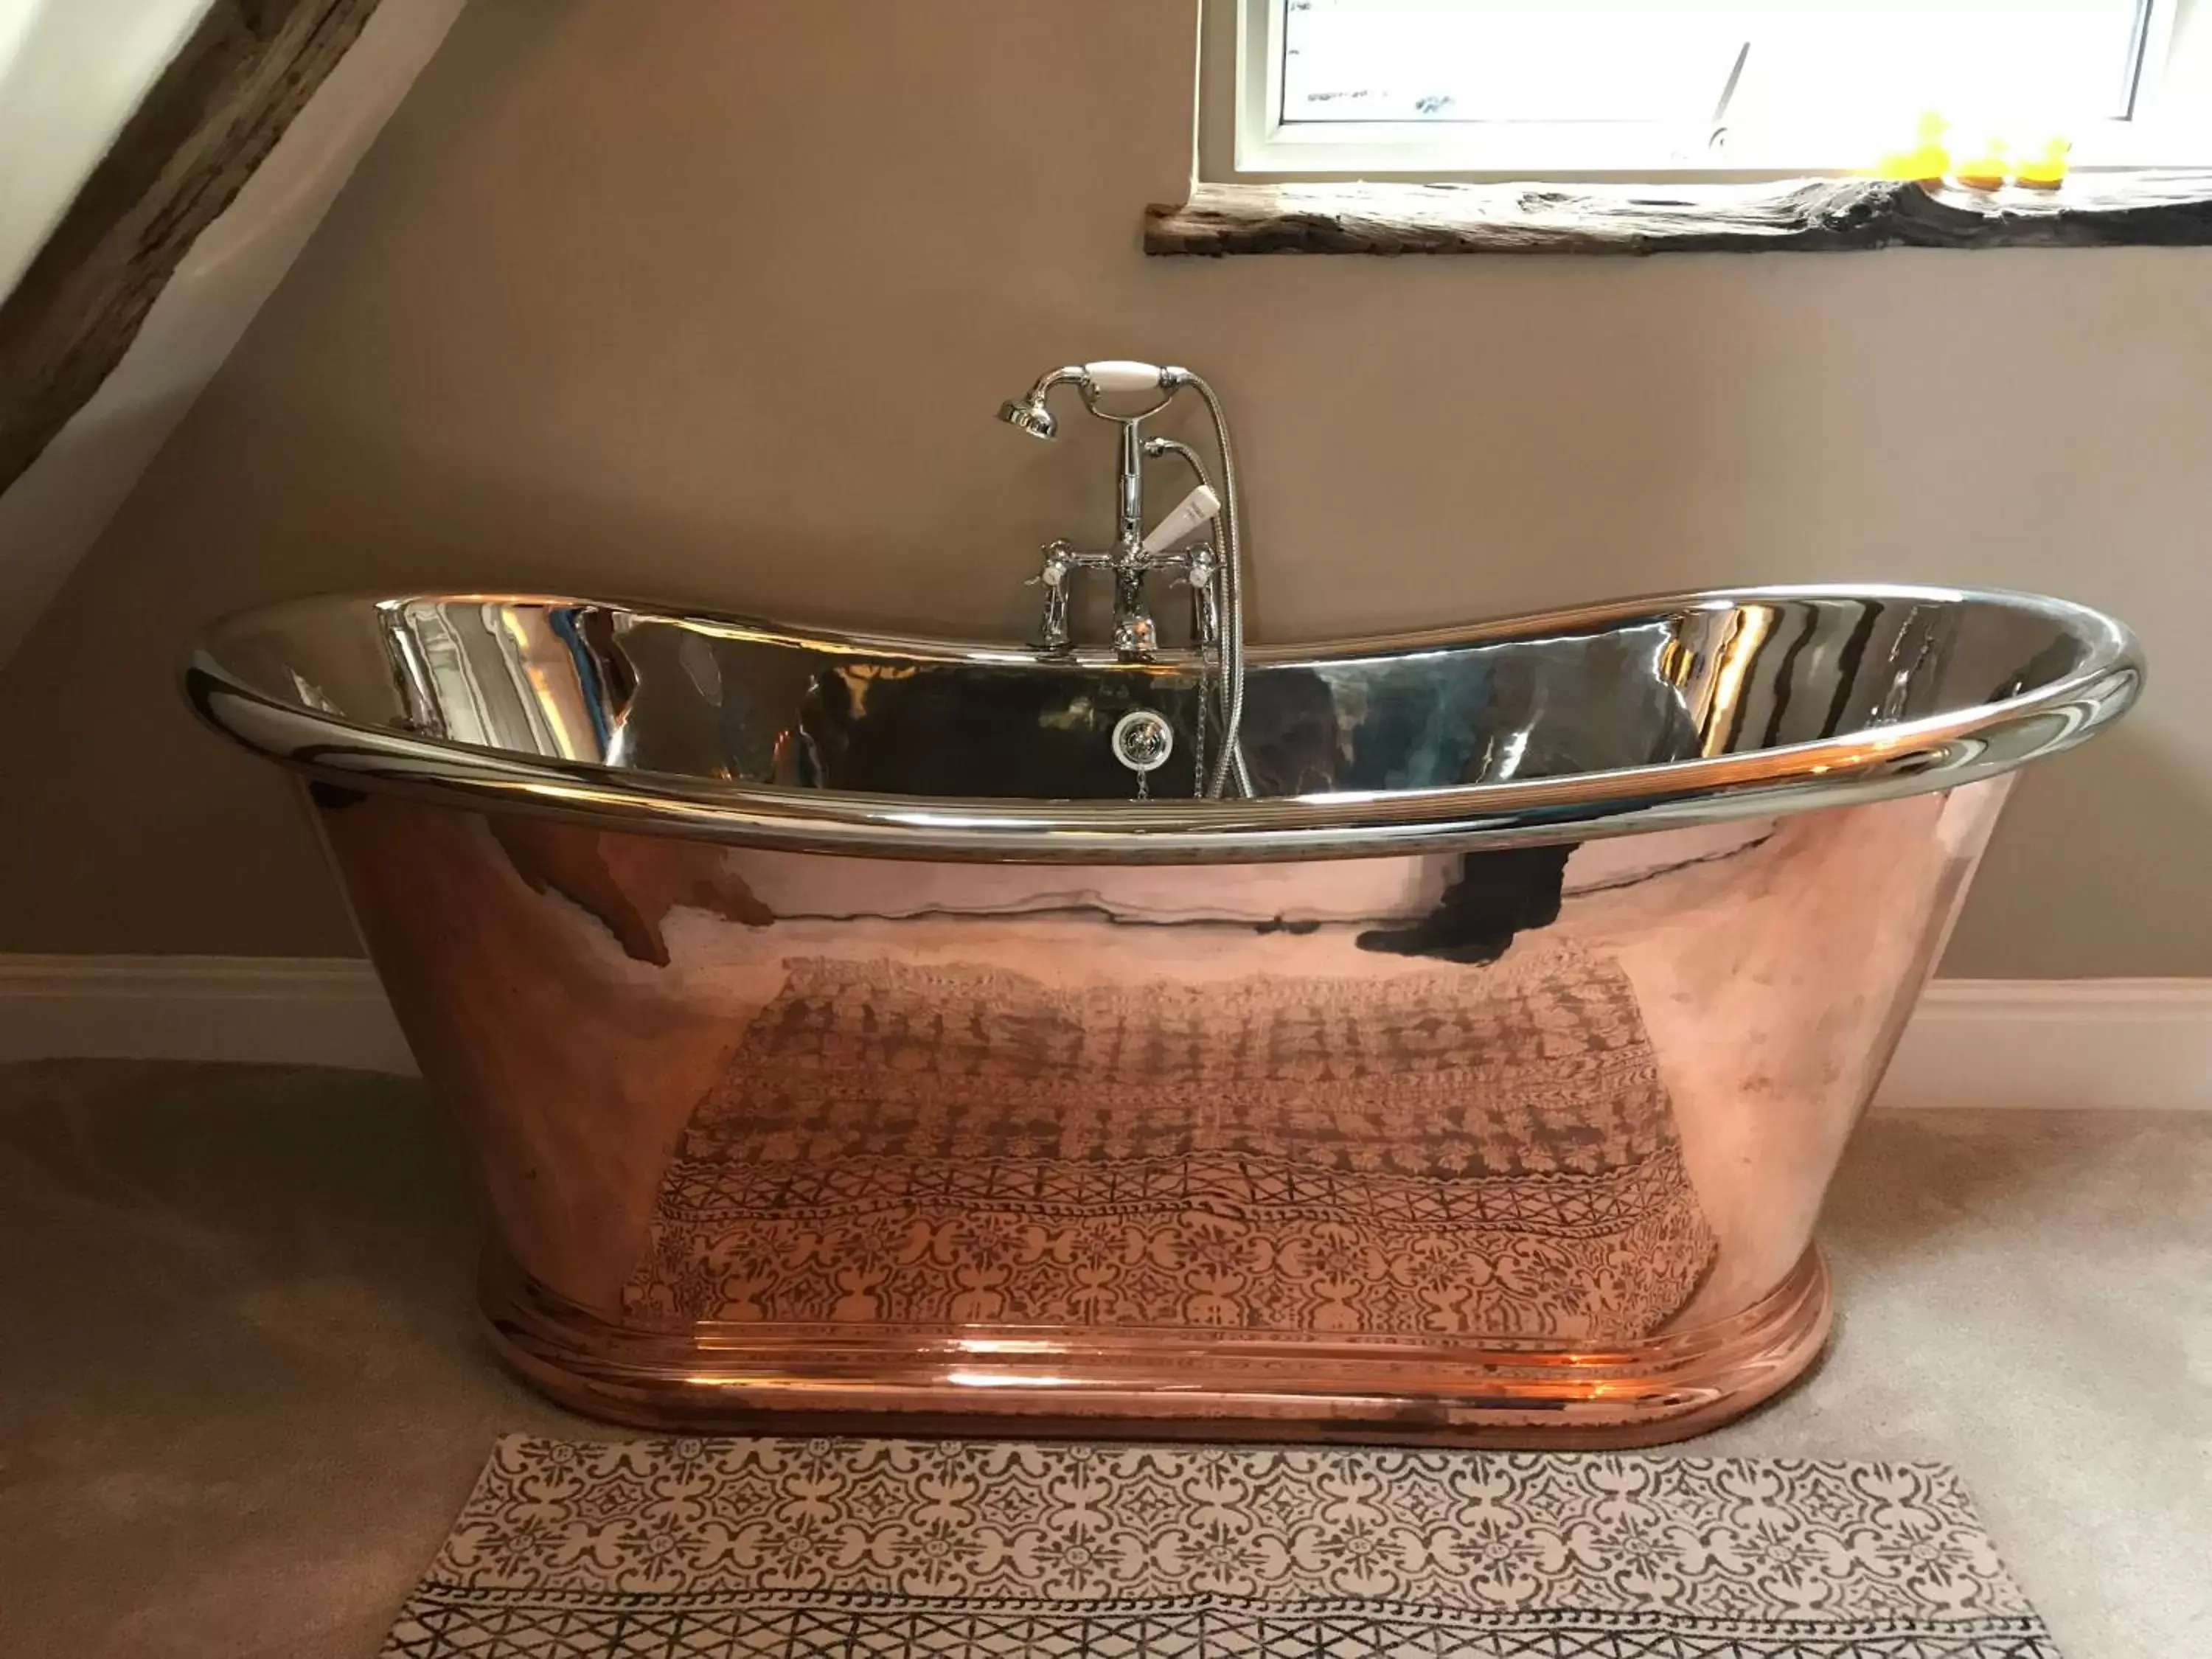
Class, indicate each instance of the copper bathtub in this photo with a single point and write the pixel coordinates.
(839, 1043)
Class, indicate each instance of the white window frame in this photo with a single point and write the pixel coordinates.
(1243, 138)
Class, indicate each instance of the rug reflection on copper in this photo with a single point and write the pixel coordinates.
(1485, 1151)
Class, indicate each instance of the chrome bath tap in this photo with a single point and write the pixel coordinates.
(1215, 579)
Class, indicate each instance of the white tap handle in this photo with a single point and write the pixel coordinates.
(1118, 374)
(1194, 510)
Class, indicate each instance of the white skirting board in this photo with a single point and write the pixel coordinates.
(2033, 1043)
(296, 1011)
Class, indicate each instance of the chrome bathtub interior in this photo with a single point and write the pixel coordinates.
(1217, 627)
(1590, 722)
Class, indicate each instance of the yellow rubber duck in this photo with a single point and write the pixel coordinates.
(2047, 168)
(1927, 160)
(1987, 171)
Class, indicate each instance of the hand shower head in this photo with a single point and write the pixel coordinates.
(1031, 415)
(1028, 413)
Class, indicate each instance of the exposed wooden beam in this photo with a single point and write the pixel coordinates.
(1802, 215)
(216, 113)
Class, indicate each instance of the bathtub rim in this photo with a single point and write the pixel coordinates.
(1937, 752)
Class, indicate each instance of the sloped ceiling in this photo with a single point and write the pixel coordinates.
(162, 164)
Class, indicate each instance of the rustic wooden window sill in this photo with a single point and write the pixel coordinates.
(1806, 216)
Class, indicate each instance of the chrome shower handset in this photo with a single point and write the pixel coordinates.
(1108, 377)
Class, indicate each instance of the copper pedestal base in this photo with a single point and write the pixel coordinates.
(741, 1378)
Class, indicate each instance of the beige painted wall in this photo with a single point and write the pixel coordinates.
(706, 301)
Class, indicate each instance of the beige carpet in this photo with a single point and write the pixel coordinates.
(242, 1394)
(828, 1549)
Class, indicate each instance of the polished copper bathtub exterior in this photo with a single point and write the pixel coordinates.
(1510, 1136)
(1243, 1149)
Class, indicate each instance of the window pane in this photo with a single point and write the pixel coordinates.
(1824, 60)
(1828, 61)
(1504, 60)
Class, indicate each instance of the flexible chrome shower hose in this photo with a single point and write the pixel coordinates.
(1231, 758)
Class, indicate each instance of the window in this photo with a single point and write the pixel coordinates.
(1646, 88)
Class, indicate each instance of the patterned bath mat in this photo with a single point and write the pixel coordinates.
(693, 1549)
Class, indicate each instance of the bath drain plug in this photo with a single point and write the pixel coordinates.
(1143, 740)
